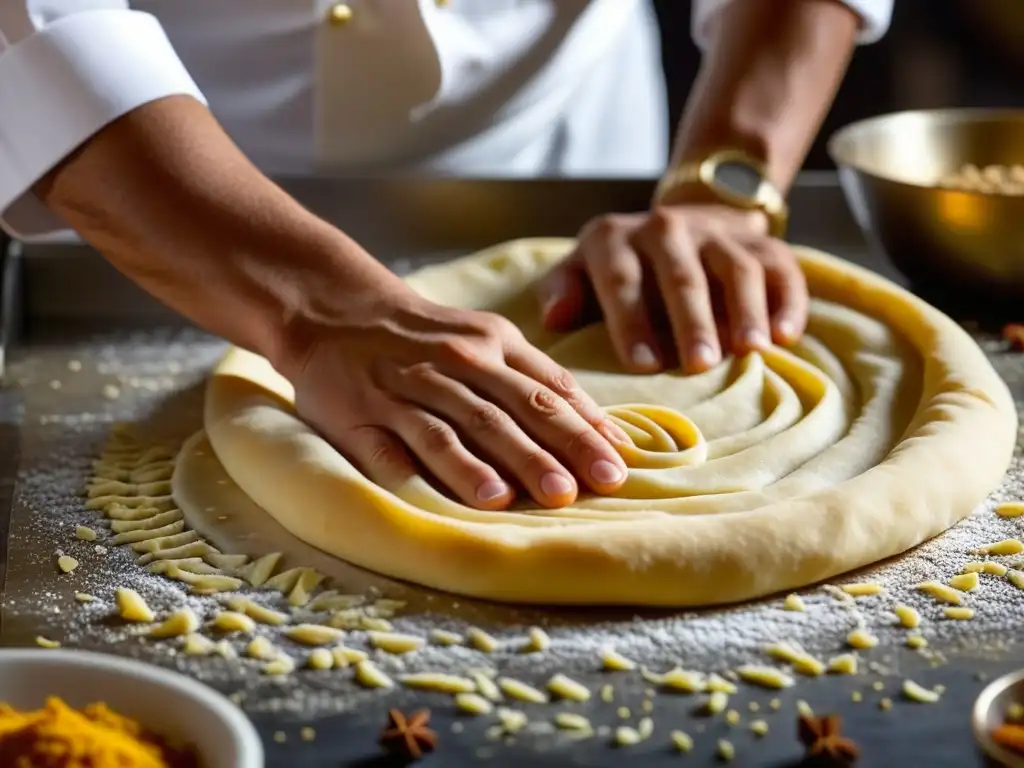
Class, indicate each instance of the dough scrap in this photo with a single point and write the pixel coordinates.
(881, 429)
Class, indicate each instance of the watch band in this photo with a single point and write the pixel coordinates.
(768, 199)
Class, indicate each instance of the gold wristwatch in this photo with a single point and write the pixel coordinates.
(736, 179)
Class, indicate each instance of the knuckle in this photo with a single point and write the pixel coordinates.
(457, 350)
(661, 223)
(437, 437)
(605, 226)
(582, 443)
(420, 373)
(563, 384)
(536, 462)
(744, 267)
(487, 418)
(681, 277)
(544, 402)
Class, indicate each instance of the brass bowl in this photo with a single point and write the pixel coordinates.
(960, 241)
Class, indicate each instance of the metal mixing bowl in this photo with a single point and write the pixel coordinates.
(989, 712)
(889, 167)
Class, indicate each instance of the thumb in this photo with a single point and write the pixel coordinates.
(561, 295)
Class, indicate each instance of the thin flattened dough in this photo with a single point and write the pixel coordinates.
(882, 428)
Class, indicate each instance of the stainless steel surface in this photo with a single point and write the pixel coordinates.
(990, 712)
(888, 168)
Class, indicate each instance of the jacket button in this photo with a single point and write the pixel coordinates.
(340, 14)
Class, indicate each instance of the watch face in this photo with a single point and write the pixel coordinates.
(738, 178)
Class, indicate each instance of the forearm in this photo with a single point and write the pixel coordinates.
(767, 80)
(168, 198)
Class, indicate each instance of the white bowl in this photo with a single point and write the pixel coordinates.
(167, 703)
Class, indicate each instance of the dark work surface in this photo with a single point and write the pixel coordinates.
(69, 288)
(908, 734)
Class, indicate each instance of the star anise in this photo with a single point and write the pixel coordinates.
(408, 736)
(1014, 333)
(825, 742)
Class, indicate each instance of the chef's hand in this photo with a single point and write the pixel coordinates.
(396, 377)
(723, 283)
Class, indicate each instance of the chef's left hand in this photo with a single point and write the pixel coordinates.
(720, 282)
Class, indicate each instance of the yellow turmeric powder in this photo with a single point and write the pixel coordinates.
(58, 736)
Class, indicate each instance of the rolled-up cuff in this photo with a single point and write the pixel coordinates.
(875, 18)
(62, 85)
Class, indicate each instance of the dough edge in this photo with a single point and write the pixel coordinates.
(953, 454)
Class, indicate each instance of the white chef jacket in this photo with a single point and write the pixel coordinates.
(460, 87)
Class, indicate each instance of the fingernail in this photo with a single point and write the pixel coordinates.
(756, 339)
(643, 355)
(491, 490)
(604, 472)
(554, 484)
(786, 329)
(703, 355)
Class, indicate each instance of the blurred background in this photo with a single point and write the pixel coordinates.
(938, 53)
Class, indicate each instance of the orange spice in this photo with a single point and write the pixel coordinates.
(59, 736)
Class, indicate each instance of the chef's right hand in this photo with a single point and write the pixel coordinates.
(394, 378)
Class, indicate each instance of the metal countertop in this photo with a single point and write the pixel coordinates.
(73, 306)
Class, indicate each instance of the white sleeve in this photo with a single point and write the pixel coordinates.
(875, 16)
(67, 69)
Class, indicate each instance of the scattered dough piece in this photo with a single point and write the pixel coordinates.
(1004, 547)
(131, 606)
(803, 708)
(182, 622)
(626, 736)
(84, 597)
(281, 665)
(485, 686)
(759, 727)
(958, 612)
(908, 616)
(681, 741)
(645, 727)
(307, 734)
(725, 750)
(444, 637)
(261, 648)
(111, 391)
(520, 691)
(537, 641)
(607, 693)
(1016, 578)
(965, 582)
(198, 645)
(861, 639)
(257, 612)
(85, 534)
(566, 688)
(732, 717)
(233, 621)
(716, 703)
(393, 642)
(941, 592)
(614, 661)
(766, 677)
(434, 681)
(787, 652)
(375, 624)
(717, 683)
(67, 563)
(1010, 509)
(793, 602)
(225, 650)
(862, 590)
(304, 586)
(344, 656)
(44, 642)
(994, 568)
(370, 676)
(684, 680)
(844, 664)
(313, 634)
(915, 692)
(472, 703)
(512, 720)
(480, 640)
(257, 572)
(320, 658)
(916, 641)
(570, 721)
